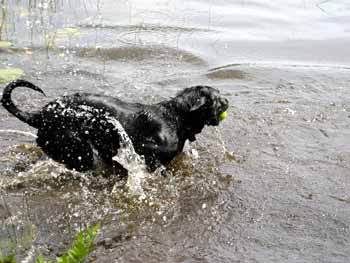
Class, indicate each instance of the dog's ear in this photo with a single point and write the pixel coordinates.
(198, 103)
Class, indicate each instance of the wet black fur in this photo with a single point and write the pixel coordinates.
(70, 127)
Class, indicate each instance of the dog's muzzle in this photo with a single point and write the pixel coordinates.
(220, 107)
(224, 105)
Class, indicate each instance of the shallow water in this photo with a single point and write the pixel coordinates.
(271, 185)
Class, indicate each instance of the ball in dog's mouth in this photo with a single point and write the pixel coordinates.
(223, 115)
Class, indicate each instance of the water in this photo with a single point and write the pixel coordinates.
(271, 185)
(131, 161)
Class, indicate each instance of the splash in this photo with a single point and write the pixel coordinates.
(190, 151)
(130, 160)
(126, 155)
(46, 172)
(226, 153)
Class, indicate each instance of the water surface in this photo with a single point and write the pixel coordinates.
(270, 185)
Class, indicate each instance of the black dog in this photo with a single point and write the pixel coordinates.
(71, 127)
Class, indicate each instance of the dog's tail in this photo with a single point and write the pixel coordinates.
(33, 119)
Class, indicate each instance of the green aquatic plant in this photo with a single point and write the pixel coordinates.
(82, 246)
(67, 32)
(9, 74)
(41, 259)
(5, 44)
(7, 259)
(50, 40)
(3, 17)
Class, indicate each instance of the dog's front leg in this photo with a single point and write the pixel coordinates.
(159, 150)
(119, 170)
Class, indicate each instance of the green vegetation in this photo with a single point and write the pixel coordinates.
(58, 35)
(82, 246)
(9, 74)
(3, 17)
(7, 259)
(5, 44)
(67, 32)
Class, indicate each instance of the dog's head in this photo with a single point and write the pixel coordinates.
(202, 105)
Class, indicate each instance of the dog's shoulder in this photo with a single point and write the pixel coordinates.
(151, 126)
(146, 122)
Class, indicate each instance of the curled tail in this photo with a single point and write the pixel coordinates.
(33, 119)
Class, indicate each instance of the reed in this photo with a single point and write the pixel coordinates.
(3, 17)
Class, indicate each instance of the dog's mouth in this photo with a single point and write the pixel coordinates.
(221, 113)
(223, 110)
(213, 116)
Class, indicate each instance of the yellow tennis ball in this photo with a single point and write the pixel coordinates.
(223, 115)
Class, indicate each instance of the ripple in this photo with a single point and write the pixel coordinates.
(146, 27)
(139, 53)
(226, 74)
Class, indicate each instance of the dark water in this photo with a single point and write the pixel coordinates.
(270, 185)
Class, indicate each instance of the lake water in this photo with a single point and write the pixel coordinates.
(270, 185)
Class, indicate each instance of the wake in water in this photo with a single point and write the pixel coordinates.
(51, 172)
(19, 133)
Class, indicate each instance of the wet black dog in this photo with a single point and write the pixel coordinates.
(70, 128)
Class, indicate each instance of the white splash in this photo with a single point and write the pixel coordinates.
(42, 171)
(30, 255)
(130, 160)
(190, 151)
(226, 153)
